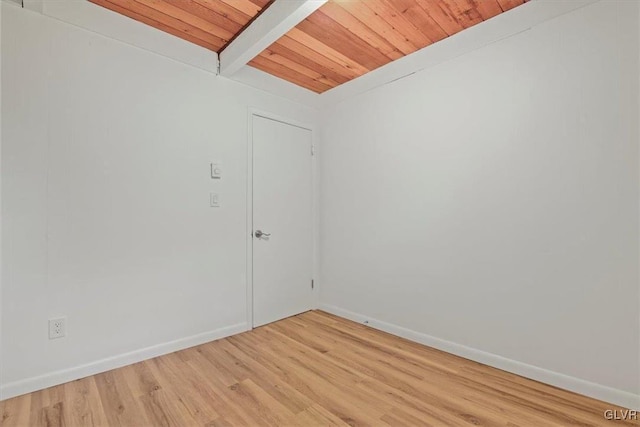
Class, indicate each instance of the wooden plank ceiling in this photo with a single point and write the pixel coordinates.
(207, 23)
(339, 42)
(345, 39)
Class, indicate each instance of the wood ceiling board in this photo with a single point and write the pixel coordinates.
(167, 29)
(323, 49)
(297, 67)
(509, 4)
(464, 12)
(414, 13)
(399, 23)
(182, 13)
(286, 73)
(353, 24)
(442, 15)
(379, 26)
(245, 6)
(488, 8)
(330, 73)
(207, 23)
(321, 60)
(353, 37)
(329, 32)
(228, 11)
(150, 16)
(261, 3)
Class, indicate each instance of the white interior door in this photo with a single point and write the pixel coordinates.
(282, 220)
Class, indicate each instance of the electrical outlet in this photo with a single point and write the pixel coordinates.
(57, 328)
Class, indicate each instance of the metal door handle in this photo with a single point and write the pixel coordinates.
(259, 234)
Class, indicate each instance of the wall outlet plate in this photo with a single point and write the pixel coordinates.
(57, 328)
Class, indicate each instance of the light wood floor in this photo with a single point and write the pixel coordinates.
(311, 369)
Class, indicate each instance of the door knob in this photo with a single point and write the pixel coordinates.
(259, 234)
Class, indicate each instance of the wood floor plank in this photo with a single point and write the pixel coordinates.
(189, 394)
(53, 416)
(161, 411)
(316, 415)
(140, 379)
(287, 396)
(314, 369)
(335, 395)
(454, 408)
(15, 412)
(267, 408)
(119, 404)
(404, 379)
(83, 405)
(37, 408)
(202, 379)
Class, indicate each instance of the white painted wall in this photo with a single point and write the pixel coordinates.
(489, 205)
(105, 201)
(97, 19)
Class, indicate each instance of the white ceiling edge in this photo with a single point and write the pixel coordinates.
(100, 20)
(269, 26)
(258, 79)
(497, 28)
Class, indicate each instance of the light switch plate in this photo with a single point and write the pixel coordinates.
(214, 200)
(216, 171)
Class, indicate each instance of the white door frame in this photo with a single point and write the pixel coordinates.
(314, 207)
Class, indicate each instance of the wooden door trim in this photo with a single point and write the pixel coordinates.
(251, 113)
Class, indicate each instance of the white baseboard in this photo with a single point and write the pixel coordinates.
(596, 391)
(59, 377)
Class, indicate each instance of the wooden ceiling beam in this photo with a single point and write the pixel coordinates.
(273, 23)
